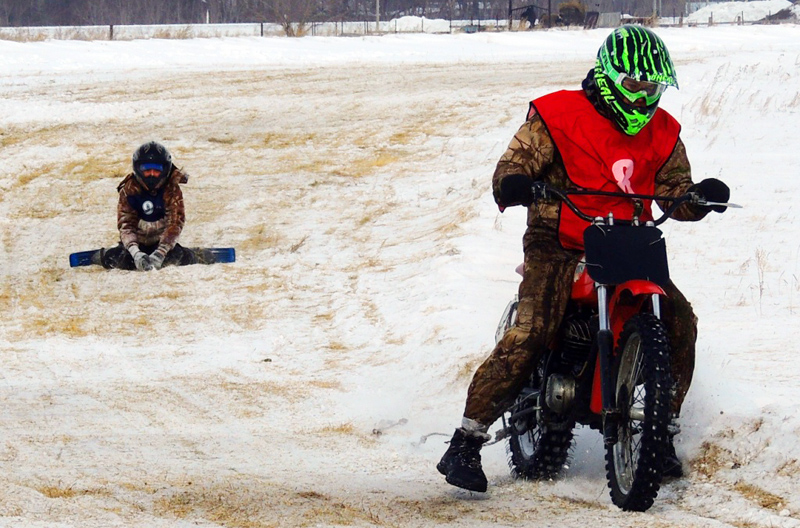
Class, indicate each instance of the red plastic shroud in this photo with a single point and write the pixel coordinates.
(626, 301)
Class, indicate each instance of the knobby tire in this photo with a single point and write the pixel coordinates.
(539, 451)
(642, 383)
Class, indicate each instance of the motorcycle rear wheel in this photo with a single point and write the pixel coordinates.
(643, 381)
(538, 451)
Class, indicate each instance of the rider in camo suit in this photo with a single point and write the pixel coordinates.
(549, 266)
(150, 214)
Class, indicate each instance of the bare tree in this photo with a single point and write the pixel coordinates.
(292, 15)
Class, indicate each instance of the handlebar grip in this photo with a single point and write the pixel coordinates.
(539, 191)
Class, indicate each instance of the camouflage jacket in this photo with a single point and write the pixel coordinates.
(533, 153)
(135, 230)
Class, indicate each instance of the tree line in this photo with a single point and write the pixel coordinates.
(105, 12)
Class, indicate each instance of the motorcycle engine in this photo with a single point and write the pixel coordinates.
(576, 346)
(576, 343)
(560, 393)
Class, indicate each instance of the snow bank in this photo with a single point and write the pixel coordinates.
(408, 24)
(725, 12)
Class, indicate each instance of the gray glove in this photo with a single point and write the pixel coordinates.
(157, 258)
(142, 261)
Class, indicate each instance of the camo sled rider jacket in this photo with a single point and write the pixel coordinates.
(147, 219)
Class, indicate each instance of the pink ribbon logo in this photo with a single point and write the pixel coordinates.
(623, 172)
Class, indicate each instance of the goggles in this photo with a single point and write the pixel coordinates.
(634, 90)
(151, 166)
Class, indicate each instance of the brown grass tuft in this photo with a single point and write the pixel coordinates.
(222, 141)
(68, 492)
(262, 505)
(789, 468)
(764, 498)
(284, 140)
(711, 459)
(178, 34)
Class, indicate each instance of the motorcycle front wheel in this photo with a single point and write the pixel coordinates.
(643, 382)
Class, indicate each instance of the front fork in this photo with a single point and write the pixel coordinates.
(605, 349)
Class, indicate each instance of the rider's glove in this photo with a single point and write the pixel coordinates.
(157, 258)
(712, 190)
(516, 189)
(142, 261)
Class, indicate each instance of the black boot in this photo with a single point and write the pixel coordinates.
(461, 463)
(672, 467)
(97, 257)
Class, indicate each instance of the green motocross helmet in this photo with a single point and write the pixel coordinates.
(633, 69)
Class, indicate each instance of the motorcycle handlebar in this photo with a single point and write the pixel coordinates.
(542, 190)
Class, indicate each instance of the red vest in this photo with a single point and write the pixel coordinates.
(599, 156)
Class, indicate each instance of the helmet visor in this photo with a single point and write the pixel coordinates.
(634, 90)
(151, 166)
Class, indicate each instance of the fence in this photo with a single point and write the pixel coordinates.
(337, 28)
(178, 31)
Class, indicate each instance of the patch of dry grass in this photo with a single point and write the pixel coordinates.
(711, 459)
(20, 35)
(370, 163)
(346, 428)
(405, 136)
(336, 346)
(790, 468)
(297, 245)
(280, 140)
(50, 135)
(297, 162)
(222, 141)
(327, 384)
(253, 394)
(59, 491)
(35, 299)
(467, 369)
(762, 497)
(246, 315)
(262, 505)
(70, 326)
(175, 34)
(324, 317)
(438, 510)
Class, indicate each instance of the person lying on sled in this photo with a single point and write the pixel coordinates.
(150, 214)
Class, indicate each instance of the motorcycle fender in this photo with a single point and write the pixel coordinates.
(627, 301)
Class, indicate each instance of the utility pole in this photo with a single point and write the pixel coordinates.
(377, 16)
(549, 14)
(207, 11)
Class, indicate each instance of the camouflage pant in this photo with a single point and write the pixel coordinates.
(119, 258)
(543, 297)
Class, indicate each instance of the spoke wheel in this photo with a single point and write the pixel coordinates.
(538, 448)
(633, 464)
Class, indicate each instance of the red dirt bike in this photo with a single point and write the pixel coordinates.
(609, 368)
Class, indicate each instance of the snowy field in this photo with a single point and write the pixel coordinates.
(294, 387)
(737, 12)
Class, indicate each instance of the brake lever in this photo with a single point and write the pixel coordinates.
(697, 199)
(724, 204)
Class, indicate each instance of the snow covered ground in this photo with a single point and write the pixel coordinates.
(747, 12)
(294, 387)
